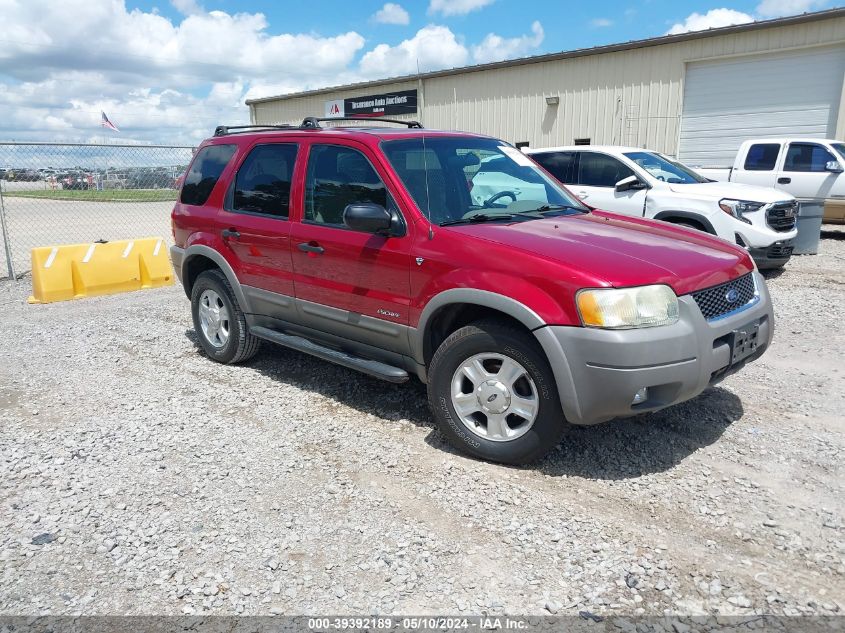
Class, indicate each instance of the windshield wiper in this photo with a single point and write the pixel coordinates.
(556, 207)
(537, 214)
(479, 217)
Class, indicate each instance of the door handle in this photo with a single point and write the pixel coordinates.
(309, 247)
(230, 234)
(784, 181)
(583, 194)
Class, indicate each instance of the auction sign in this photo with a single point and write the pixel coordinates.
(400, 102)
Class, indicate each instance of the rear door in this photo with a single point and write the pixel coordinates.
(598, 174)
(255, 225)
(804, 173)
(350, 284)
(562, 165)
(759, 167)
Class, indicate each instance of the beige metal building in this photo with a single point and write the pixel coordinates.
(695, 95)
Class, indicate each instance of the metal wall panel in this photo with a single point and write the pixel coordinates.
(631, 97)
(732, 100)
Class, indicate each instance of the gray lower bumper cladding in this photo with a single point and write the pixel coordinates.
(599, 372)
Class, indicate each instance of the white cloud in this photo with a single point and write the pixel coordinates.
(495, 48)
(57, 111)
(433, 46)
(766, 9)
(456, 7)
(187, 7)
(392, 13)
(601, 22)
(194, 72)
(778, 8)
(713, 19)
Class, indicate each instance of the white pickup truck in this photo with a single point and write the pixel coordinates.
(643, 183)
(803, 167)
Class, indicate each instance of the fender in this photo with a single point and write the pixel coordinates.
(195, 250)
(555, 354)
(562, 371)
(689, 216)
(511, 307)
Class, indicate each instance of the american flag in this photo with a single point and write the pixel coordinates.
(106, 123)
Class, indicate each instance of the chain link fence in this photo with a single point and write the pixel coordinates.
(63, 193)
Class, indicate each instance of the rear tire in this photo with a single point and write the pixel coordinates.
(499, 376)
(219, 322)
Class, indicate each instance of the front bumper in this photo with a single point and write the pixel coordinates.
(755, 233)
(598, 372)
(773, 256)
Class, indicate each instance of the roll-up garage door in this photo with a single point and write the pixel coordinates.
(731, 100)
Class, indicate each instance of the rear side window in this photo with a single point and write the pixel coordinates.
(762, 157)
(561, 165)
(806, 157)
(204, 173)
(600, 170)
(337, 177)
(263, 181)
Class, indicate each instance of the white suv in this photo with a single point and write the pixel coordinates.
(644, 183)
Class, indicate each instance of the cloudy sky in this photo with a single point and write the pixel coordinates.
(169, 71)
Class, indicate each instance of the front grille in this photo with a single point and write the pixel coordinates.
(781, 215)
(713, 302)
(779, 250)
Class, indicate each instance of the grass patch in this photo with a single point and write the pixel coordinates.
(92, 195)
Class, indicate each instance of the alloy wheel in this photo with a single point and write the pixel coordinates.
(495, 397)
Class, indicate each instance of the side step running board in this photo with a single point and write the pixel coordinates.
(370, 367)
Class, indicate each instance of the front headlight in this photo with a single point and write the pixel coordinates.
(737, 208)
(622, 308)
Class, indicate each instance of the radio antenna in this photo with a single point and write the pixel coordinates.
(425, 160)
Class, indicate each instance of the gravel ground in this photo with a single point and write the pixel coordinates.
(141, 478)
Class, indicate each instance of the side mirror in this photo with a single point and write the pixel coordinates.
(368, 217)
(833, 166)
(631, 183)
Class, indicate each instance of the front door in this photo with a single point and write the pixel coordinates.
(255, 225)
(597, 177)
(804, 173)
(348, 283)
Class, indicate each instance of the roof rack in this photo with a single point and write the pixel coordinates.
(223, 130)
(314, 122)
(308, 123)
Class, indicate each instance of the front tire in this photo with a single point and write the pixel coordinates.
(690, 225)
(493, 394)
(219, 322)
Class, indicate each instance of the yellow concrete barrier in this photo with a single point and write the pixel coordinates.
(73, 271)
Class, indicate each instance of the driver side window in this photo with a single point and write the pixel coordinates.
(806, 157)
(601, 170)
(336, 177)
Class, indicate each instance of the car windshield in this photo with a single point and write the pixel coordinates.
(665, 169)
(840, 148)
(455, 179)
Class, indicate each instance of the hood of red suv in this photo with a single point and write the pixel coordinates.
(624, 251)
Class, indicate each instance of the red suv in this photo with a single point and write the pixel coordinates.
(522, 310)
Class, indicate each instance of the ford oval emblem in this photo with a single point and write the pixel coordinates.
(732, 295)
